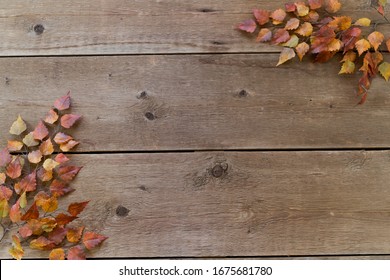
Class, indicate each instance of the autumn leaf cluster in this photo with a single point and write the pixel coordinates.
(314, 28)
(35, 173)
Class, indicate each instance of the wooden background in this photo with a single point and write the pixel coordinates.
(193, 143)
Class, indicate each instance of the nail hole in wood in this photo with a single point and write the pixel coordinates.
(122, 211)
(243, 93)
(38, 29)
(142, 95)
(150, 116)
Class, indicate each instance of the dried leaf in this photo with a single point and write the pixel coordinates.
(50, 164)
(44, 175)
(5, 193)
(5, 157)
(40, 132)
(348, 67)
(388, 45)
(46, 147)
(57, 254)
(51, 117)
(25, 231)
(30, 141)
(363, 22)
(35, 156)
(248, 25)
(61, 158)
(292, 24)
(14, 168)
(335, 45)
(68, 145)
(63, 102)
(91, 240)
(302, 9)
(290, 7)
(67, 173)
(63, 219)
(286, 55)
(4, 208)
(69, 120)
(74, 234)
(293, 42)
(59, 188)
(332, 6)
(23, 200)
(384, 69)
(305, 30)
(46, 202)
(76, 253)
(42, 243)
(58, 235)
(362, 46)
(31, 213)
(27, 184)
(341, 23)
(376, 38)
(261, 16)
(278, 16)
(48, 224)
(3, 177)
(315, 4)
(350, 37)
(18, 126)
(76, 208)
(14, 146)
(16, 251)
(62, 138)
(351, 56)
(281, 36)
(15, 214)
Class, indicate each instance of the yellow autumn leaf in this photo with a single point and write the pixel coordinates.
(376, 38)
(18, 126)
(348, 67)
(286, 55)
(50, 164)
(362, 46)
(29, 140)
(384, 69)
(363, 22)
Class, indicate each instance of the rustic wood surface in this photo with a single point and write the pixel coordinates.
(236, 204)
(198, 102)
(71, 27)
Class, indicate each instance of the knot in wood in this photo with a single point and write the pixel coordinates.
(122, 211)
(150, 116)
(217, 171)
(243, 93)
(38, 29)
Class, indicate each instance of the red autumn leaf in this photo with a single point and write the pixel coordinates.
(5, 157)
(290, 7)
(381, 10)
(315, 4)
(248, 25)
(350, 37)
(25, 231)
(61, 158)
(376, 38)
(292, 24)
(76, 208)
(51, 117)
(63, 219)
(74, 234)
(42, 243)
(59, 188)
(91, 240)
(278, 16)
(41, 131)
(281, 36)
(14, 168)
(58, 235)
(262, 16)
(67, 173)
(57, 254)
(5, 193)
(31, 213)
(76, 253)
(324, 56)
(28, 183)
(68, 120)
(14, 214)
(62, 138)
(63, 102)
(46, 147)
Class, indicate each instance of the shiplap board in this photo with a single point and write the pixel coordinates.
(137, 27)
(235, 203)
(194, 102)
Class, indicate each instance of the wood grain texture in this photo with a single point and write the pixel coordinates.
(198, 102)
(236, 204)
(51, 27)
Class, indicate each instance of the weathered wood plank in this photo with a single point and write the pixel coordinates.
(198, 102)
(136, 27)
(236, 204)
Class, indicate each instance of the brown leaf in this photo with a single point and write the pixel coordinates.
(5, 157)
(281, 36)
(5, 193)
(305, 30)
(292, 24)
(46, 147)
(68, 145)
(51, 117)
(46, 202)
(48, 224)
(63, 219)
(42, 243)
(40, 132)
(16, 251)
(58, 235)
(76, 208)
(69, 120)
(302, 9)
(62, 138)
(14, 168)
(14, 146)
(67, 173)
(57, 254)
(286, 55)
(302, 49)
(261, 16)
(59, 188)
(376, 38)
(36, 226)
(332, 6)
(76, 253)
(350, 37)
(35, 156)
(91, 240)
(315, 4)
(44, 175)
(248, 25)
(324, 56)
(31, 213)
(15, 214)
(74, 234)
(63, 102)
(28, 183)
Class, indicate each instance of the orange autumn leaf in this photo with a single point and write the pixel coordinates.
(91, 240)
(57, 254)
(35, 226)
(42, 243)
(286, 55)
(51, 117)
(61, 158)
(32, 213)
(46, 202)
(14, 168)
(376, 38)
(388, 45)
(292, 24)
(16, 251)
(3, 177)
(35, 156)
(76, 253)
(332, 6)
(341, 23)
(74, 234)
(48, 224)
(67, 173)
(15, 214)
(68, 145)
(315, 4)
(28, 183)
(69, 120)
(261, 16)
(14, 145)
(362, 46)
(44, 175)
(278, 16)
(62, 138)
(40, 132)
(63, 219)
(63, 102)
(302, 49)
(305, 30)
(264, 35)
(46, 147)
(302, 9)
(76, 208)
(351, 56)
